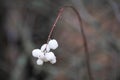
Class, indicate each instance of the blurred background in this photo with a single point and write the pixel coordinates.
(25, 25)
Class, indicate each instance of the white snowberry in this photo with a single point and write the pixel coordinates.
(53, 61)
(39, 62)
(36, 52)
(41, 55)
(44, 55)
(53, 44)
(45, 46)
(49, 56)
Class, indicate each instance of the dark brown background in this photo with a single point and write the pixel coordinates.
(25, 25)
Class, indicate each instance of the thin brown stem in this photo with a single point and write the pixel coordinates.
(90, 76)
(53, 26)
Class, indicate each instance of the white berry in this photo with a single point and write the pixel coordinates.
(36, 52)
(45, 46)
(53, 44)
(49, 56)
(41, 55)
(39, 62)
(53, 61)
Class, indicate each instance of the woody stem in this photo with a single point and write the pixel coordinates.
(87, 56)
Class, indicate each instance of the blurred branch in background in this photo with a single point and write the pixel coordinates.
(115, 8)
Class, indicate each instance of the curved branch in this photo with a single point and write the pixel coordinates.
(83, 36)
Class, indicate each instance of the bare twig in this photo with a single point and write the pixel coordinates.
(83, 35)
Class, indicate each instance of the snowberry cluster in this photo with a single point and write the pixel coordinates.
(44, 54)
